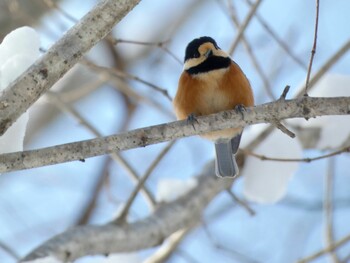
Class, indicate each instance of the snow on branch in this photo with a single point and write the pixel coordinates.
(25, 90)
(145, 233)
(303, 107)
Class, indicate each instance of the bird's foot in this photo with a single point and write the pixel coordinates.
(240, 108)
(191, 119)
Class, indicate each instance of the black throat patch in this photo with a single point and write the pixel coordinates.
(211, 63)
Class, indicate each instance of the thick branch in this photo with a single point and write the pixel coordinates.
(146, 233)
(62, 56)
(305, 107)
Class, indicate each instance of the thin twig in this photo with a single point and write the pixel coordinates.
(9, 251)
(57, 100)
(50, 67)
(306, 160)
(169, 247)
(228, 249)
(138, 42)
(283, 128)
(173, 241)
(250, 52)
(52, 4)
(170, 53)
(313, 51)
(149, 84)
(328, 249)
(124, 75)
(346, 259)
(120, 63)
(123, 214)
(244, 25)
(131, 171)
(117, 78)
(315, 78)
(161, 45)
(326, 66)
(242, 203)
(94, 193)
(328, 209)
(141, 234)
(284, 93)
(279, 40)
(72, 95)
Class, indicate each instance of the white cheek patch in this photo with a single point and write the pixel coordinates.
(220, 53)
(192, 62)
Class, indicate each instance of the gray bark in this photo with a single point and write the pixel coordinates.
(304, 107)
(63, 55)
(148, 232)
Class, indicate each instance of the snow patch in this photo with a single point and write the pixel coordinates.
(170, 189)
(18, 51)
(335, 130)
(267, 181)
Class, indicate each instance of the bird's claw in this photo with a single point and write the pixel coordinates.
(240, 108)
(191, 119)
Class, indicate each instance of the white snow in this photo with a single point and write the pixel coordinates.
(335, 130)
(170, 189)
(266, 181)
(18, 51)
(23, 40)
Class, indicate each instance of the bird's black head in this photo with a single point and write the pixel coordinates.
(203, 55)
(192, 47)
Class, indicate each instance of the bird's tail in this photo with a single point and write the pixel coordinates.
(226, 165)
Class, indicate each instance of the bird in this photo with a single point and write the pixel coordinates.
(209, 83)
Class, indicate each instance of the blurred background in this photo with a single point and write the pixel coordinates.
(128, 81)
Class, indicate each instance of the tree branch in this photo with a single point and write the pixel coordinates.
(279, 40)
(266, 82)
(331, 248)
(313, 51)
(345, 149)
(165, 252)
(329, 209)
(244, 26)
(124, 213)
(145, 233)
(304, 107)
(62, 56)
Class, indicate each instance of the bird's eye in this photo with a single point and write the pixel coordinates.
(196, 55)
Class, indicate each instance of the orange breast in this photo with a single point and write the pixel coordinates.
(213, 92)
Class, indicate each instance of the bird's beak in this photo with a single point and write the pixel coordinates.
(208, 53)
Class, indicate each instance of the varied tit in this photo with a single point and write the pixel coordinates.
(211, 82)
